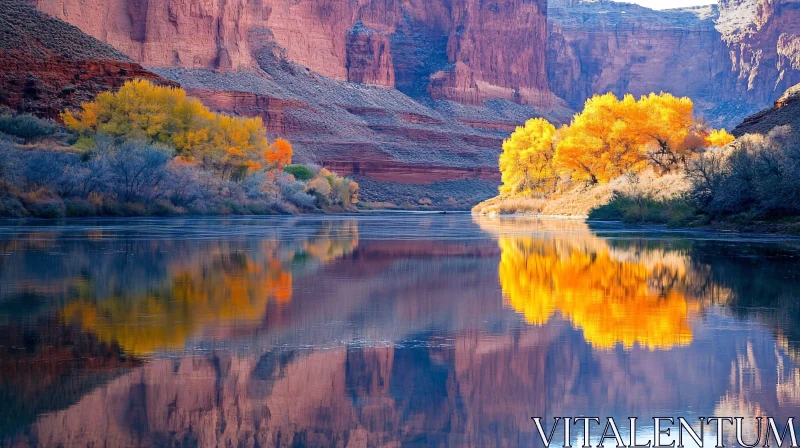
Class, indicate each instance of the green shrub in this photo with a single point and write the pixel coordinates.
(80, 208)
(48, 209)
(28, 127)
(676, 211)
(134, 209)
(165, 208)
(300, 172)
(11, 207)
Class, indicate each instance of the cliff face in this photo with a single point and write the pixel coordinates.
(47, 65)
(763, 38)
(732, 60)
(625, 48)
(487, 49)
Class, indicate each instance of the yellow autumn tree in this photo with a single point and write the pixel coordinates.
(668, 127)
(719, 137)
(141, 110)
(602, 142)
(526, 161)
(612, 137)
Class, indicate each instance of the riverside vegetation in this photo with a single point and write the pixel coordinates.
(152, 150)
(650, 160)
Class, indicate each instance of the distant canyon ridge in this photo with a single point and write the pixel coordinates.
(414, 97)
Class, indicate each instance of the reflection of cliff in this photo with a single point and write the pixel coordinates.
(50, 366)
(478, 392)
(222, 287)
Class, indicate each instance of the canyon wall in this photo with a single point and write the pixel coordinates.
(411, 98)
(414, 97)
(732, 59)
(486, 49)
(763, 39)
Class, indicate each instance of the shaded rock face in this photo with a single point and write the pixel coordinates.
(621, 48)
(786, 111)
(369, 60)
(732, 60)
(47, 66)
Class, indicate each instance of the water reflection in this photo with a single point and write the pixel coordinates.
(216, 284)
(614, 296)
(438, 331)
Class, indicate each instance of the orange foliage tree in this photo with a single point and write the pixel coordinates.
(141, 110)
(279, 154)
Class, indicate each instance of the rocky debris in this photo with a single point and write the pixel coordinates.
(47, 65)
(446, 194)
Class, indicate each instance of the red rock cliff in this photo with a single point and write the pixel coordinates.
(486, 49)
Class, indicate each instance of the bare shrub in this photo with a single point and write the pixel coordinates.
(757, 174)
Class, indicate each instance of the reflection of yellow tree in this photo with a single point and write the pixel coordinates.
(613, 296)
(220, 287)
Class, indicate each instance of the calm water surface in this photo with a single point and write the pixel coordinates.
(383, 330)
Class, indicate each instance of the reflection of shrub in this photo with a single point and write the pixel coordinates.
(300, 172)
(28, 127)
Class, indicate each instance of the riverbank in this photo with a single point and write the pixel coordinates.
(646, 199)
(675, 213)
(579, 199)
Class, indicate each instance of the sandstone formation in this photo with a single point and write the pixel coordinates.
(763, 39)
(486, 49)
(47, 65)
(455, 78)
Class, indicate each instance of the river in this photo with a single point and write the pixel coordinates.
(387, 329)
